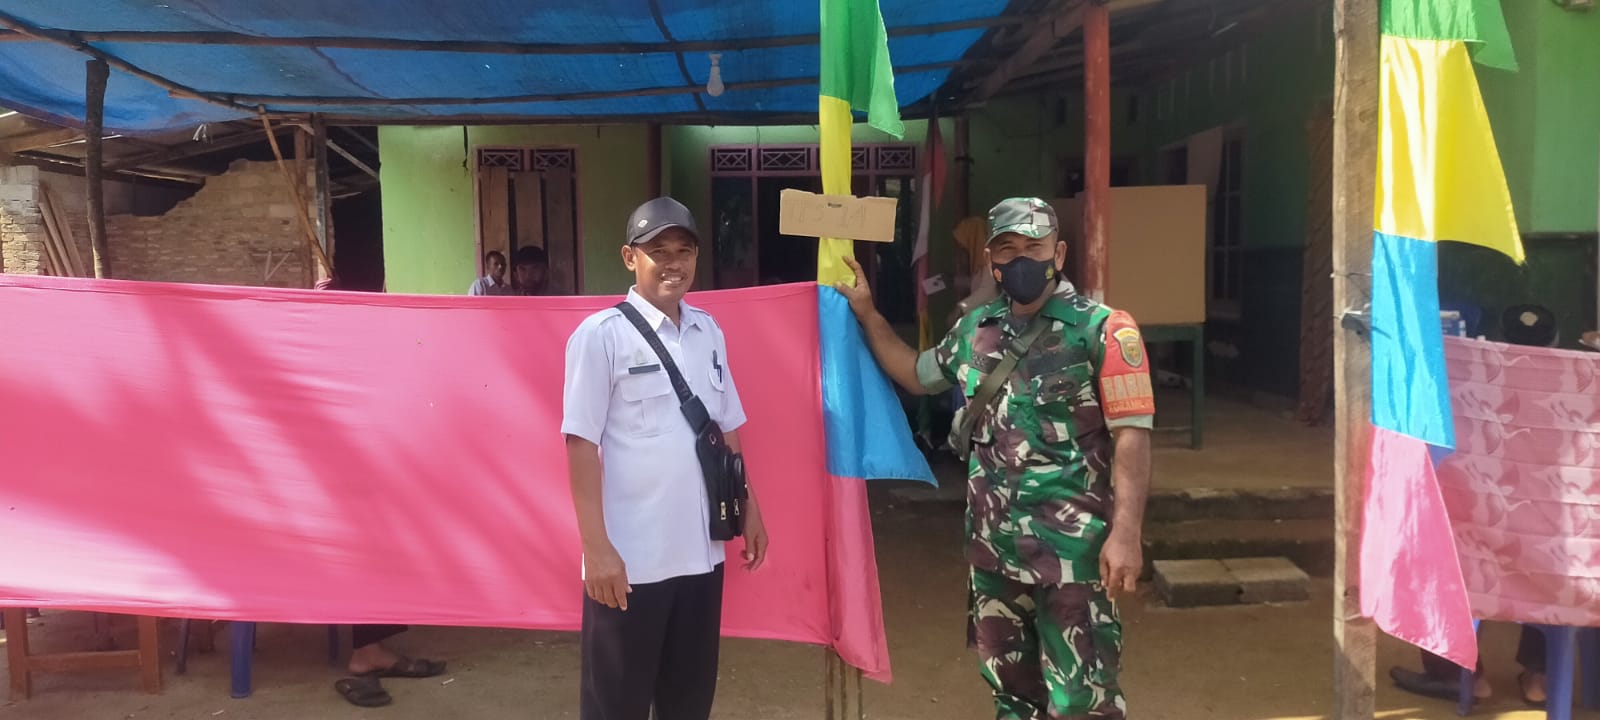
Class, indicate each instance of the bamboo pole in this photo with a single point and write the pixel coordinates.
(301, 212)
(1355, 148)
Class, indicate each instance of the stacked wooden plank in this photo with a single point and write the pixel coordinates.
(62, 257)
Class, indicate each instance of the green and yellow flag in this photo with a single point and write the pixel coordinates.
(856, 75)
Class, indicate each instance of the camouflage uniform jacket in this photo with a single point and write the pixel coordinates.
(1039, 482)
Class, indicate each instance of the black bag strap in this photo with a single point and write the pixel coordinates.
(979, 406)
(693, 409)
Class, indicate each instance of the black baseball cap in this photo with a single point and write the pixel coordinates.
(658, 215)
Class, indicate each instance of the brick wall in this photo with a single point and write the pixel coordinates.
(21, 224)
(239, 229)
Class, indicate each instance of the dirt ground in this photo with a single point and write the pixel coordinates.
(1245, 663)
(1244, 448)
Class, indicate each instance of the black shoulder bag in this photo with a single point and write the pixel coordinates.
(723, 469)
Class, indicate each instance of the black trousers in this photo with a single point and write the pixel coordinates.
(662, 651)
(364, 635)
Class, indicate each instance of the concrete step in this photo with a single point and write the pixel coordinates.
(1231, 581)
(1306, 543)
(1285, 503)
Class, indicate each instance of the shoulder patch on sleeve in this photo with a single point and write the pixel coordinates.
(1126, 391)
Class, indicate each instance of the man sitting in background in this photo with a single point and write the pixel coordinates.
(530, 272)
(493, 281)
(1534, 326)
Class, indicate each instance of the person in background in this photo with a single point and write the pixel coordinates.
(1533, 326)
(493, 281)
(530, 271)
(370, 661)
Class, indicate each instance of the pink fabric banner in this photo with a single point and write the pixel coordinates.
(1523, 488)
(319, 457)
(1411, 583)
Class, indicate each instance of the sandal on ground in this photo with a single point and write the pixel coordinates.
(407, 667)
(363, 691)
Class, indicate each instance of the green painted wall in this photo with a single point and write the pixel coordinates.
(1510, 98)
(1566, 189)
(429, 245)
(429, 230)
(1544, 117)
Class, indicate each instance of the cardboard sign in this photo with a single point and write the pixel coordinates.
(837, 216)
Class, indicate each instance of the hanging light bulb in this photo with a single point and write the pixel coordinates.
(715, 88)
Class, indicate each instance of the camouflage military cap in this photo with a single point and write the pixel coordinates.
(1025, 216)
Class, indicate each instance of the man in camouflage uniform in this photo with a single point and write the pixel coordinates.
(1066, 433)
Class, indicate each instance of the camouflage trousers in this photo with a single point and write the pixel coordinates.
(1050, 652)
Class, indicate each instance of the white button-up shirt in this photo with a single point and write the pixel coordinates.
(618, 396)
(487, 286)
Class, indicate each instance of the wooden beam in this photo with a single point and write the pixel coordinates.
(500, 48)
(1097, 149)
(190, 149)
(39, 139)
(352, 159)
(322, 215)
(1065, 19)
(352, 132)
(1355, 153)
(301, 212)
(74, 167)
(1261, 21)
(98, 72)
(368, 101)
(682, 118)
(17, 653)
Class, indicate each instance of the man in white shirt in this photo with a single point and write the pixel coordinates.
(652, 575)
(493, 281)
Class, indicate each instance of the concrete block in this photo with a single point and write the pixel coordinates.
(1269, 580)
(1195, 583)
(281, 211)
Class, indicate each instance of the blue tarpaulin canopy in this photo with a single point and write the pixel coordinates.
(179, 63)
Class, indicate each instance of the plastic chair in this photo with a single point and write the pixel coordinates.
(1561, 645)
(242, 645)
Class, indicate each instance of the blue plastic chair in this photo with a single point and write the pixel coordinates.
(242, 646)
(1561, 645)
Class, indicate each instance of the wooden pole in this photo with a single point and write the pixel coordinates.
(300, 166)
(1355, 152)
(1097, 148)
(652, 166)
(322, 218)
(301, 212)
(94, 163)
